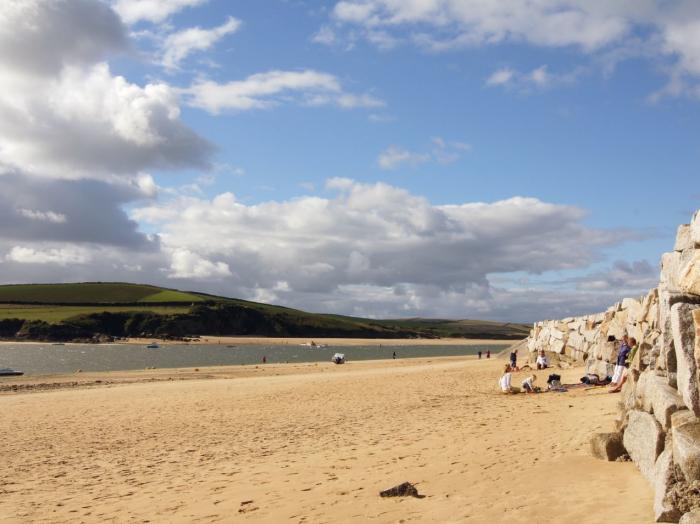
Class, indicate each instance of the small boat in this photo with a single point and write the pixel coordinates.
(153, 345)
(7, 372)
(313, 345)
(338, 358)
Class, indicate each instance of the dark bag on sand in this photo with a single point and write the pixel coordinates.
(553, 377)
(591, 379)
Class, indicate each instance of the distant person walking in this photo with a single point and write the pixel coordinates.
(264, 359)
(488, 353)
(479, 355)
(394, 355)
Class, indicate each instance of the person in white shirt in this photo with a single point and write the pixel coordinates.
(529, 384)
(505, 381)
(542, 360)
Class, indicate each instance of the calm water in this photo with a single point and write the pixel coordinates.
(36, 359)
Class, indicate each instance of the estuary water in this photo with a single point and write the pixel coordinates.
(40, 359)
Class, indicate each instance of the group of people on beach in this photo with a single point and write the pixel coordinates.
(505, 383)
(628, 349)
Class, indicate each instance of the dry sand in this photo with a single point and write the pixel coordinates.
(313, 443)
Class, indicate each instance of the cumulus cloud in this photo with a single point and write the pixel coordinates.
(189, 265)
(62, 111)
(265, 90)
(60, 256)
(155, 11)
(177, 46)
(41, 37)
(376, 238)
(76, 211)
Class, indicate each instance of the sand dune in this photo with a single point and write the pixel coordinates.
(314, 443)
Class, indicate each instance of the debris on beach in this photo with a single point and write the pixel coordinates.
(402, 490)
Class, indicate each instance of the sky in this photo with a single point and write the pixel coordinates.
(514, 160)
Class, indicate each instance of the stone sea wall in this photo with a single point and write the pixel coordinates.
(659, 421)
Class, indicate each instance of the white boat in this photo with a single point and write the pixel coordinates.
(7, 372)
(338, 358)
(153, 345)
(313, 345)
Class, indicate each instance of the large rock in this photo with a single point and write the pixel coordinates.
(644, 441)
(692, 517)
(689, 277)
(683, 329)
(671, 264)
(664, 509)
(695, 228)
(684, 239)
(663, 399)
(607, 446)
(686, 447)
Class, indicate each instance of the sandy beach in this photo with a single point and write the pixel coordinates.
(311, 443)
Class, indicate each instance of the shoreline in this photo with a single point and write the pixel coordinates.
(284, 341)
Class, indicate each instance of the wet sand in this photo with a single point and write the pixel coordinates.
(311, 443)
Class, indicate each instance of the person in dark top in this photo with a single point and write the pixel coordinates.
(514, 360)
(628, 356)
(488, 353)
(479, 355)
(394, 355)
(620, 369)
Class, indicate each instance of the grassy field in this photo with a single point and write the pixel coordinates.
(93, 293)
(55, 314)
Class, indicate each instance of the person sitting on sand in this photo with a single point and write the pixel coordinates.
(505, 381)
(542, 360)
(529, 384)
(629, 356)
(620, 365)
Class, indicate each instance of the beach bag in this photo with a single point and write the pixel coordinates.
(553, 377)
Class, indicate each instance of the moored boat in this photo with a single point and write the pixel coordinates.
(8, 372)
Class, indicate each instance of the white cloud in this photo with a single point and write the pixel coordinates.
(441, 151)
(41, 37)
(614, 31)
(133, 11)
(500, 77)
(393, 157)
(44, 216)
(265, 90)
(177, 46)
(539, 78)
(474, 22)
(324, 36)
(60, 256)
(186, 264)
(376, 238)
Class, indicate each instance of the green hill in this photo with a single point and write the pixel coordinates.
(92, 293)
(84, 310)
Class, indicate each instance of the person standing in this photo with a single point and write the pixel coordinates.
(479, 355)
(488, 353)
(620, 369)
(394, 355)
(514, 360)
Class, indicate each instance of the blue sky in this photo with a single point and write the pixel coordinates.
(371, 157)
